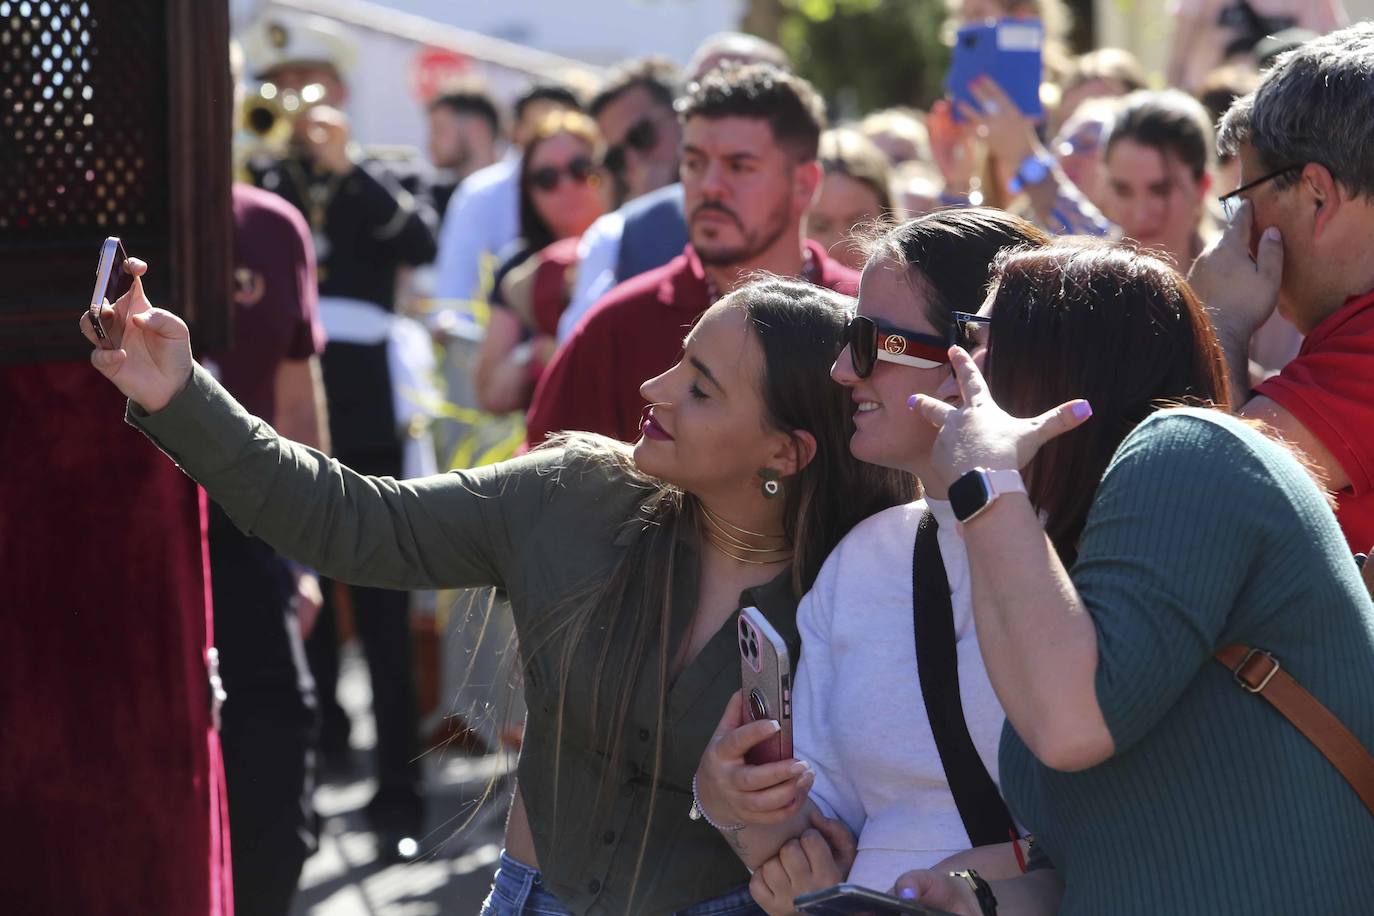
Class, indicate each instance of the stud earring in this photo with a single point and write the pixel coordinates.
(772, 486)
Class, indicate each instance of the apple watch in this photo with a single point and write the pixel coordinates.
(976, 490)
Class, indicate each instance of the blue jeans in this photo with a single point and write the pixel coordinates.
(518, 890)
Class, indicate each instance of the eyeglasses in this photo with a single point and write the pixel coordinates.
(642, 137)
(1082, 141)
(969, 331)
(868, 342)
(1230, 203)
(547, 178)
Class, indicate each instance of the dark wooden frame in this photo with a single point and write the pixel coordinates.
(197, 279)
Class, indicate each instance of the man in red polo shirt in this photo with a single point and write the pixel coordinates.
(1305, 207)
(749, 174)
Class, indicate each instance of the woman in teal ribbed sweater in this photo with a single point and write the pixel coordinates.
(1151, 780)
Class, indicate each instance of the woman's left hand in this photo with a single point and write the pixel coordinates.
(939, 890)
(979, 434)
(819, 858)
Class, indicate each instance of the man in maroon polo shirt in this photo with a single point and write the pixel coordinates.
(749, 174)
(1305, 208)
(269, 717)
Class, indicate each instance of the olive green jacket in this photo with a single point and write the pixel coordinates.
(540, 527)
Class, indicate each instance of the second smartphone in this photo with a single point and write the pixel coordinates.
(766, 676)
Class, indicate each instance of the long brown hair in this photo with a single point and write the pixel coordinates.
(948, 255)
(799, 328)
(1104, 321)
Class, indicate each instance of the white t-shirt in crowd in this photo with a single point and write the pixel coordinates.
(858, 715)
(482, 218)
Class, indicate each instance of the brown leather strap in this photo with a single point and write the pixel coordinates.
(1259, 672)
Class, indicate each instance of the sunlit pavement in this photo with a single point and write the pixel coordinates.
(460, 849)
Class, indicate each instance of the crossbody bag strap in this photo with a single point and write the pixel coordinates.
(980, 805)
(1259, 672)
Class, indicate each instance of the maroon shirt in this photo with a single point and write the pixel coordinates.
(276, 308)
(634, 333)
(1329, 388)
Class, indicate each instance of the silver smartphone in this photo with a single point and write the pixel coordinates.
(111, 282)
(852, 900)
(766, 676)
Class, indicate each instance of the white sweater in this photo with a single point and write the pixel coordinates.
(858, 716)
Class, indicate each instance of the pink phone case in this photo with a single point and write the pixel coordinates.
(766, 676)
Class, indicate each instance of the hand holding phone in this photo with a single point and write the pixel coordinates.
(112, 280)
(731, 791)
(145, 351)
(1005, 50)
(766, 678)
(852, 900)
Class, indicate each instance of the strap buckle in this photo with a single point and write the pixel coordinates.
(1250, 683)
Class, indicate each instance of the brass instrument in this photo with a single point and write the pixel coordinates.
(270, 112)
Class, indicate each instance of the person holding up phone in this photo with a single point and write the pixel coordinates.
(861, 699)
(624, 599)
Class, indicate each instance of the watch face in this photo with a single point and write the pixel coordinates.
(967, 495)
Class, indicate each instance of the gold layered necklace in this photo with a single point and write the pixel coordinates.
(742, 544)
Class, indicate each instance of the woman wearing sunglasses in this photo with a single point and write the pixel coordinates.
(860, 701)
(625, 569)
(561, 194)
(1140, 574)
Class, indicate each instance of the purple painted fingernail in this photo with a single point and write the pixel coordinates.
(912, 401)
(1081, 410)
(907, 893)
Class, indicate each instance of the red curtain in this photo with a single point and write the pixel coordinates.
(111, 789)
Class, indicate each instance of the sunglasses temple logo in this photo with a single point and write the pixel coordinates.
(895, 344)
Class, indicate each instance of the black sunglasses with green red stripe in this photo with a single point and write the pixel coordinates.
(870, 341)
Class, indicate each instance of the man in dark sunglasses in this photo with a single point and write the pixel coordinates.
(635, 115)
(1302, 217)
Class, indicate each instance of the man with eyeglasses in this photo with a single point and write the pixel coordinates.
(635, 114)
(1301, 224)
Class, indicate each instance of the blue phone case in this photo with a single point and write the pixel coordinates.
(1008, 50)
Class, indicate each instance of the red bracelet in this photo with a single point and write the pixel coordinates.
(1020, 856)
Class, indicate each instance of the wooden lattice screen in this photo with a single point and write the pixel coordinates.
(114, 120)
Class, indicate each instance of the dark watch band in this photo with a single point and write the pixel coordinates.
(987, 900)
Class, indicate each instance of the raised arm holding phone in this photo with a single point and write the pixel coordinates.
(586, 540)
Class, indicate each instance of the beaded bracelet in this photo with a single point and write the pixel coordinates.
(698, 813)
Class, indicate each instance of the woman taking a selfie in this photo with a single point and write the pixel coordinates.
(625, 569)
(1148, 770)
(864, 687)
